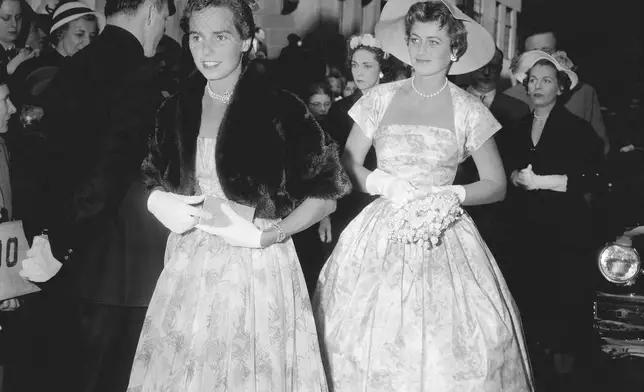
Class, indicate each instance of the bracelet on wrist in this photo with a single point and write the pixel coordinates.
(280, 233)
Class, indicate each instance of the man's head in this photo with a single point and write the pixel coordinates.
(6, 106)
(486, 78)
(149, 16)
(542, 39)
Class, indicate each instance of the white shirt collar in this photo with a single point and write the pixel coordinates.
(7, 47)
(489, 96)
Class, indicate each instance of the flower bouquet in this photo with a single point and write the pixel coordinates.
(423, 221)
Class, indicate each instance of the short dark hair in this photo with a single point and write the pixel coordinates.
(60, 32)
(563, 80)
(242, 14)
(113, 7)
(540, 28)
(334, 72)
(318, 88)
(429, 11)
(537, 29)
(293, 39)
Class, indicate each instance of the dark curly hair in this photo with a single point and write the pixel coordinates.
(436, 11)
(563, 80)
(241, 10)
(378, 53)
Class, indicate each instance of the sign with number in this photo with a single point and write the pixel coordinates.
(13, 249)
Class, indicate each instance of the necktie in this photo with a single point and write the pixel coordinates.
(483, 99)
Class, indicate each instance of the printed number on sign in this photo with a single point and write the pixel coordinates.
(10, 255)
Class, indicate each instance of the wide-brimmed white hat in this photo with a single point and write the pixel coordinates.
(559, 59)
(390, 31)
(72, 11)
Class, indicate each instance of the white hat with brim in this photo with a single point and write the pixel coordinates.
(390, 31)
(72, 11)
(529, 59)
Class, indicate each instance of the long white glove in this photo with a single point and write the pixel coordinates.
(459, 190)
(176, 212)
(239, 232)
(40, 265)
(398, 191)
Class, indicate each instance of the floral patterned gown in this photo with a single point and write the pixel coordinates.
(397, 317)
(226, 318)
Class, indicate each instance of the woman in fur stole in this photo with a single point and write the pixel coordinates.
(231, 310)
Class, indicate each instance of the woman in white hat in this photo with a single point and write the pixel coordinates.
(553, 159)
(73, 26)
(398, 316)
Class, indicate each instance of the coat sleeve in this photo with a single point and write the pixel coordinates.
(313, 168)
(110, 146)
(588, 174)
(155, 167)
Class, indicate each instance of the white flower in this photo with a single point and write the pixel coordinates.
(563, 59)
(364, 40)
(354, 42)
(424, 221)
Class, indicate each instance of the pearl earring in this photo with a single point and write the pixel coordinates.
(381, 75)
(453, 58)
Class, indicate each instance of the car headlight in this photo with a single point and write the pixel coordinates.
(619, 264)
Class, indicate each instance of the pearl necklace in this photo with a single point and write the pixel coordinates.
(225, 97)
(432, 95)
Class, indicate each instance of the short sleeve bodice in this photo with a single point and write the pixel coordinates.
(423, 154)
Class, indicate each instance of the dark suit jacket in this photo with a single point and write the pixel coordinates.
(508, 110)
(490, 218)
(99, 114)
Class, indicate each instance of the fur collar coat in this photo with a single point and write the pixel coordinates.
(270, 154)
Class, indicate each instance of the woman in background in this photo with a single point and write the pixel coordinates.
(73, 26)
(367, 61)
(554, 159)
(313, 245)
(13, 33)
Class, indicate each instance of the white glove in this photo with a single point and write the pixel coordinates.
(393, 188)
(176, 212)
(9, 305)
(40, 264)
(239, 232)
(324, 230)
(525, 178)
(459, 190)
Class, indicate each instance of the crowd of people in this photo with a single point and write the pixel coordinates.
(202, 217)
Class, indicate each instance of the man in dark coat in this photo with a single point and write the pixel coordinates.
(489, 219)
(99, 112)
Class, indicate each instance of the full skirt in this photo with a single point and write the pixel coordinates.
(226, 318)
(397, 317)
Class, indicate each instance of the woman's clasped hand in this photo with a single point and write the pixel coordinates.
(177, 212)
(239, 232)
(525, 178)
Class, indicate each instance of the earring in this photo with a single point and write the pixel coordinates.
(453, 57)
(381, 75)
